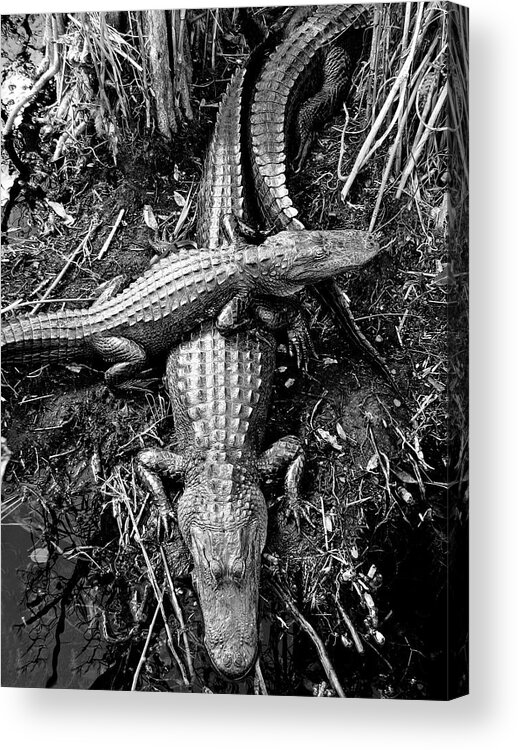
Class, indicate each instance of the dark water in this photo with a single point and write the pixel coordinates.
(30, 659)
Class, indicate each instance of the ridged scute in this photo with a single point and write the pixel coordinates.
(278, 95)
(221, 191)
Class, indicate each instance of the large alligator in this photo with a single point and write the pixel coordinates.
(220, 392)
(299, 86)
(300, 83)
(178, 293)
(219, 387)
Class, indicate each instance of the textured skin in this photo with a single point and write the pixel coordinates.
(280, 91)
(178, 293)
(221, 191)
(220, 391)
(280, 107)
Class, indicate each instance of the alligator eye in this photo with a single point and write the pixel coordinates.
(238, 568)
(216, 569)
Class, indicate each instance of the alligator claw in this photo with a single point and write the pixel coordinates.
(300, 344)
(297, 509)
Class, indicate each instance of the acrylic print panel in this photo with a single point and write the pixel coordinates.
(256, 522)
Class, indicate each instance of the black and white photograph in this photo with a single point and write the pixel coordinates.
(234, 350)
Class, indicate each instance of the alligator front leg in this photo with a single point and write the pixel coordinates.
(286, 452)
(152, 464)
(276, 316)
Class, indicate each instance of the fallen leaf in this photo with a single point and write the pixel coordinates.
(372, 463)
(179, 199)
(326, 435)
(149, 218)
(341, 432)
(40, 555)
(406, 496)
(404, 476)
(60, 211)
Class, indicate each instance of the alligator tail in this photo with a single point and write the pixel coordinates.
(43, 338)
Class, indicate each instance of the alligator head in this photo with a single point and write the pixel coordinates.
(299, 258)
(227, 561)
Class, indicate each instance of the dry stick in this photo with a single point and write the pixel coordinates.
(310, 630)
(373, 58)
(179, 614)
(40, 83)
(156, 589)
(214, 37)
(404, 44)
(21, 303)
(393, 151)
(260, 679)
(64, 137)
(107, 244)
(416, 151)
(350, 627)
(146, 645)
(44, 64)
(65, 268)
(400, 79)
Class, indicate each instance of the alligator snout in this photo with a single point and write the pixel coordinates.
(232, 662)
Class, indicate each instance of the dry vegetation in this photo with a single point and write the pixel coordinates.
(355, 605)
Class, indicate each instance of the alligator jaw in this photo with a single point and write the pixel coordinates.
(227, 563)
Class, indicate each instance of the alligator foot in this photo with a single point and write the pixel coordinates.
(275, 316)
(288, 452)
(300, 342)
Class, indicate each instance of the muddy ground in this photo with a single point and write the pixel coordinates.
(370, 571)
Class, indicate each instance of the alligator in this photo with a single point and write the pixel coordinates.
(220, 389)
(298, 88)
(286, 106)
(220, 392)
(178, 293)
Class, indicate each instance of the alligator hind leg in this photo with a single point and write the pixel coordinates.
(286, 452)
(128, 357)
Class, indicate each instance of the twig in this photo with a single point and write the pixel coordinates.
(110, 236)
(350, 627)
(179, 614)
(146, 644)
(154, 583)
(398, 84)
(259, 683)
(21, 303)
(65, 268)
(310, 630)
(416, 151)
